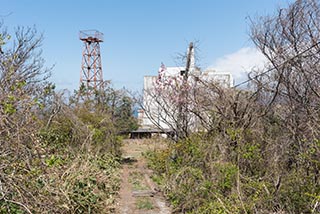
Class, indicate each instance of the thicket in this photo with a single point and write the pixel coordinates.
(56, 156)
(255, 150)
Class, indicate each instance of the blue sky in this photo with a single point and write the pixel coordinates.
(140, 34)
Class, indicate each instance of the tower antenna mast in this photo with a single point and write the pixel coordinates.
(91, 78)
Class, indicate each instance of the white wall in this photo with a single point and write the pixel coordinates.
(155, 112)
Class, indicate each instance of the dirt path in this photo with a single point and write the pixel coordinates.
(138, 193)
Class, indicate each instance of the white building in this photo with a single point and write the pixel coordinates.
(155, 118)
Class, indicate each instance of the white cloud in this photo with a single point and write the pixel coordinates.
(240, 63)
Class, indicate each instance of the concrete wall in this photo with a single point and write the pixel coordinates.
(225, 79)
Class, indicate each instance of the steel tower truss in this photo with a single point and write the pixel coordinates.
(91, 78)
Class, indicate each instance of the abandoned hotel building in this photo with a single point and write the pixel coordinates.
(153, 122)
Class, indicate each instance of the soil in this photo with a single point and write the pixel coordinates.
(138, 193)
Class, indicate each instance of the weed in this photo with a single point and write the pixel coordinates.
(144, 204)
(136, 179)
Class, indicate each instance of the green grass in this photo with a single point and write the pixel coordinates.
(144, 204)
(159, 180)
(136, 178)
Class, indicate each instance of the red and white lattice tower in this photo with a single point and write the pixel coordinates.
(91, 78)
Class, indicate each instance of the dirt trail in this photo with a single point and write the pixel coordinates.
(138, 193)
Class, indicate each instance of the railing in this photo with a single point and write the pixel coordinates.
(91, 35)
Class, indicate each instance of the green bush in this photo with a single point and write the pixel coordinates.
(198, 178)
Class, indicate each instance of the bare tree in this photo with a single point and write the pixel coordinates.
(290, 41)
(289, 89)
(23, 88)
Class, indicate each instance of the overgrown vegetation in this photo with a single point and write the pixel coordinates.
(255, 150)
(55, 156)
